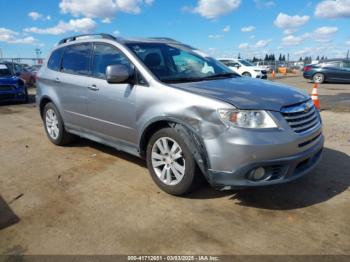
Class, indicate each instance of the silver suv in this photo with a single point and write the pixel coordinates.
(187, 114)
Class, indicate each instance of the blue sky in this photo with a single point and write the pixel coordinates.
(218, 27)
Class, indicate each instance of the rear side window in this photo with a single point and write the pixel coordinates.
(55, 60)
(105, 55)
(76, 59)
(332, 64)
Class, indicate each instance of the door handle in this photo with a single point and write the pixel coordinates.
(93, 87)
(57, 80)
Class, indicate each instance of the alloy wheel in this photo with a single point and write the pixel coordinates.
(168, 161)
(51, 122)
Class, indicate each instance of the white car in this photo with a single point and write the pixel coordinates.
(244, 68)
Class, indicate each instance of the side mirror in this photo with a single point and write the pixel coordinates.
(118, 74)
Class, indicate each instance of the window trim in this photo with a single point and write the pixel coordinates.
(60, 60)
(89, 66)
(120, 51)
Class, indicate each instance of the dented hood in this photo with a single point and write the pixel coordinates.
(247, 93)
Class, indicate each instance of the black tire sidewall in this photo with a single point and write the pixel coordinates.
(59, 139)
(247, 74)
(187, 182)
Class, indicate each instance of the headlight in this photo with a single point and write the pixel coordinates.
(247, 118)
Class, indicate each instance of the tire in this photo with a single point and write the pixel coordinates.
(163, 167)
(318, 78)
(26, 96)
(53, 122)
(247, 74)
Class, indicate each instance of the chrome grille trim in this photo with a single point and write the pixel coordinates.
(302, 117)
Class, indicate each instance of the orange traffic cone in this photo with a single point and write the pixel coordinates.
(273, 74)
(314, 97)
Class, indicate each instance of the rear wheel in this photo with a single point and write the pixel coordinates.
(318, 78)
(54, 126)
(171, 163)
(247, 74)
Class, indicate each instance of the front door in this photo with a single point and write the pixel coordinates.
(111, 107)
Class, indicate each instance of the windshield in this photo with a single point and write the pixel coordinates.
(245, 62)
(4, 70)
(179, 63)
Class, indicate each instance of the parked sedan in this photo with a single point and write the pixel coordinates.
(328, 71)
(12, 88)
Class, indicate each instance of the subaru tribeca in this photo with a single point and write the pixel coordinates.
(186, 113)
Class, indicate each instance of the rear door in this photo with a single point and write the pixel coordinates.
(73, 85)
(333, 71)
(346, 71)
(111, 107)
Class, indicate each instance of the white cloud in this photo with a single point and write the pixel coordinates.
(257, 45)
(262, 43)
(290, 31)
(102, 8)
(83, 25)
(226, 29)
(12, 37)
(116, 32)
(36, 16)
(248, 29)
(322, 34)
(243, 46)
(333, 9)
(264, 3)
(214, 8)
(286, 21)
(292, 40)
(215, 36)
(106, 20)
(325, 33)
(347, 43)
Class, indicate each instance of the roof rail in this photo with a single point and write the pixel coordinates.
(164, 38)
(76, 37)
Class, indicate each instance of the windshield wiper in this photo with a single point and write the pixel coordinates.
(182, 80)
(225, 75)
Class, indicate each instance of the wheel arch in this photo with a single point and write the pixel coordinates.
(189, 135)
(43, 102)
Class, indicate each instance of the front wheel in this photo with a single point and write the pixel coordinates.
(171, 163)
(247, 74)
(318, 78)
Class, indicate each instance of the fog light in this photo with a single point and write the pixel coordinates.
(257, 174)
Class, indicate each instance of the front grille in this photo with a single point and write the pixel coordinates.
(6, 96)
(263, 72)
(6, 87)
(302, 117)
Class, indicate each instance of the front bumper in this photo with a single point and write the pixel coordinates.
(13, 95)
(283, 154)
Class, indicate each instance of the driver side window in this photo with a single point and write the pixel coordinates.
(105, 55)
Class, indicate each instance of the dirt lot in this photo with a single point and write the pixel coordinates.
(91, 199)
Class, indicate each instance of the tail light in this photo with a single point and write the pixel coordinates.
(307, 68)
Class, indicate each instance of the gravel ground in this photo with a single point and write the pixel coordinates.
(91, 199)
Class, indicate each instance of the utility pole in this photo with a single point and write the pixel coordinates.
(37, 53)
(1, 55)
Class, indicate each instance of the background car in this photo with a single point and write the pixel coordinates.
(328, 71)
(22, 72)
(12, 87)
(244, 68)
